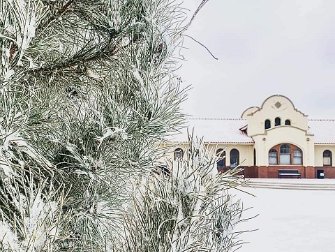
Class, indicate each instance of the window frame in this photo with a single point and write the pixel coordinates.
(330, 158)
(275, 155)
(296, 151)
(176, 154)
(234, 153)
(221, 154)
(287, 154)
(267, 124)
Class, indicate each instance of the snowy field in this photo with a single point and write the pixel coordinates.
(297, 216)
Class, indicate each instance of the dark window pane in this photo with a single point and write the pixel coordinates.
(178, 154)
(285, 149)
(267, 124)
(220, 153)
(234, 158)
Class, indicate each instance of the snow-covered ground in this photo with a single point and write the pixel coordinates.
(298, 217)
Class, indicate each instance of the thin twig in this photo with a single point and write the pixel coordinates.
(202, 46)
(201, 5)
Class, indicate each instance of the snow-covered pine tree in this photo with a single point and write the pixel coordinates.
(87, 93)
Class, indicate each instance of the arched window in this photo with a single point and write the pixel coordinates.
(285, 154)
(273, 160)
(234, 158)
(221, 154)
(287, 122)
(277, 121)
(327, 158)
(178, 154)
(297, 156)
(267, 124)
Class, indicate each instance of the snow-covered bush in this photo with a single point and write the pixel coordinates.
(31, 215)
(190, 209)
(30, 198)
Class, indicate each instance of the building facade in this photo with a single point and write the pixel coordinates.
(270, 141)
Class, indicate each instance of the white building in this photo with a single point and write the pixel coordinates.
(270, 141)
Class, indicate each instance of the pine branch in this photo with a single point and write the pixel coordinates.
(71, 64)
(106, 53)
(60, 12)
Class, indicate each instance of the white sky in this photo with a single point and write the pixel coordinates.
(264, 47)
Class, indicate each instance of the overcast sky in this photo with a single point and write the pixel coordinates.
(264, 47)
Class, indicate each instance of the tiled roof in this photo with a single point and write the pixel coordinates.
(215, 130)
(323, 130)
(222, 130)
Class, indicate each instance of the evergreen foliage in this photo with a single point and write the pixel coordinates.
(87, 94)
(189, 209)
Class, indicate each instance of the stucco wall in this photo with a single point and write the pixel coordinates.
(312, 154)
(284, 134)
(275, 106)
(245, 151)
